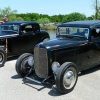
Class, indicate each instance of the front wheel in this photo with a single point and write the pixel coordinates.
(24, 63)
(66, 77)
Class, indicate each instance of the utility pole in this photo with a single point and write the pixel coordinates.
(96, 9)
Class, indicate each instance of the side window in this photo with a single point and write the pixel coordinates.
(95, 33)
(26, 28)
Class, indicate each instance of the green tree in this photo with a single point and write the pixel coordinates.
(43, 20)
(55, 18)
(96, 7)
(11, 14)
(34, 16)
(74, 17)
(14, 18)
(44, 16)
(92, 17)
(7, 11)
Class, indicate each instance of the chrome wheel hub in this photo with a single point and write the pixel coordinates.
(69, 78)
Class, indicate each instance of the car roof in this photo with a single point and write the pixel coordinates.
(19, 22)
(84, 23)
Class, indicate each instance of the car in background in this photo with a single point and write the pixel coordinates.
(18, 37)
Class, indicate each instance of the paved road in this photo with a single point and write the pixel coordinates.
(12, 87)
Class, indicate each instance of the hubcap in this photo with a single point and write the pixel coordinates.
(27, 64)
(69, 78)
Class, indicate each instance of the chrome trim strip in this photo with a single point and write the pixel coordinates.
(10, 35)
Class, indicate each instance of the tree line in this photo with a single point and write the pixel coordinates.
(12, 15)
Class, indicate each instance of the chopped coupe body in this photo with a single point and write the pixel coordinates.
(18, 37)
(76, 48)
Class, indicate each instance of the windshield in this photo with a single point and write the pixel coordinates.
(9, 28)
(73, 31)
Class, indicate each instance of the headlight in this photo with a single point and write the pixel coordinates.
(31, 61)
(55, 67)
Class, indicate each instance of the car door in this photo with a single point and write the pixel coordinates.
(14, 41)
(28, 38)
(83, 48)
(83, 55)
(94, 47)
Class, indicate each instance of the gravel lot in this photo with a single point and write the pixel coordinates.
(13, 88)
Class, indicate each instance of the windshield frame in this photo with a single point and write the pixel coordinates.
(9, 30)
(66, 34)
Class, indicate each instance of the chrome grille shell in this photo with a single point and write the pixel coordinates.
(41, 62)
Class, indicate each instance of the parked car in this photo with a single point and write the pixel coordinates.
(76, 48)
(18, 37)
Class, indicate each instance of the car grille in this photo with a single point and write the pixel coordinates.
(41, 62)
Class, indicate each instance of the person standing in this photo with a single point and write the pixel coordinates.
(5, 19)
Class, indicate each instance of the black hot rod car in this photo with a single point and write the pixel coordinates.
(18, 37)
(76, 48)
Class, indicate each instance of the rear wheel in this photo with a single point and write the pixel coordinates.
(24, 63)
(66, 77)
(3, 58)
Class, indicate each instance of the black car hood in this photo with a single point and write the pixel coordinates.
(60, 43)
(8, 34)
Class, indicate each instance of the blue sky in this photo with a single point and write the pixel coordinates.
(50, 7)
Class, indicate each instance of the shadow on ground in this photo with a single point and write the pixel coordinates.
(16, 77)
(53, 90)
(91, 70)
(51, 85)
